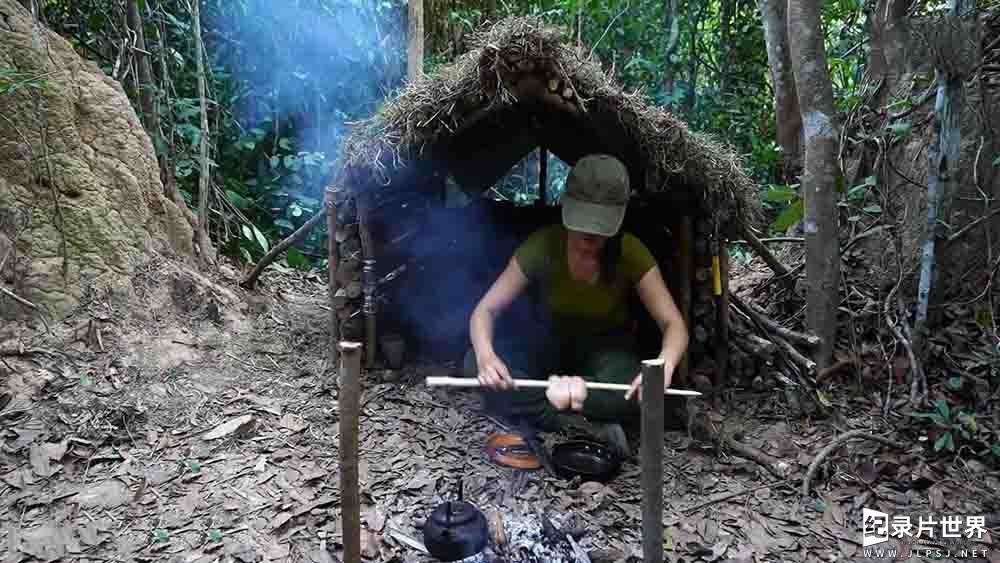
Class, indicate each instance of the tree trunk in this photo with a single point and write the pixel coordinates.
(145, 70)
(822, 173)
(943, 171)
(205, 172)
(889, 33)
(673, 27)
(415, 48)
(694, 19)
(726, 51)
(786, 103)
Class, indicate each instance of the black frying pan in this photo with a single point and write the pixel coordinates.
(588, 460)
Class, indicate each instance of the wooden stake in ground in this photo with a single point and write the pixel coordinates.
(349, 404)
(651, 454)
(333, 260)
(722, 313)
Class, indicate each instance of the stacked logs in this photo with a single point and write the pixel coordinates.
(349, 298)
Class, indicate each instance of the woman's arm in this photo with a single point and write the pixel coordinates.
(505, 289)
(661, 306)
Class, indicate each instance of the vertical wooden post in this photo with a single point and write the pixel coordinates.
(543, 175)
(686, 273)
(722, 314)
(368, 278)
(651, 459)
(333, 260)
(349, 406)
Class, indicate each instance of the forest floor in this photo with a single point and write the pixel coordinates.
(191, 422)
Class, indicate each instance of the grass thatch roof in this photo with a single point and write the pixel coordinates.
(519, 66)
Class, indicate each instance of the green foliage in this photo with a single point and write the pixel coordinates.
(957, 428)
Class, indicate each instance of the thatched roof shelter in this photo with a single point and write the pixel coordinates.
(521, 88)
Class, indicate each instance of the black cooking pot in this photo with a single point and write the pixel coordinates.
(456, 530)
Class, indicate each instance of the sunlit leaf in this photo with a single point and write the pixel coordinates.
(261, 240)
(791, 215)
(247, 233)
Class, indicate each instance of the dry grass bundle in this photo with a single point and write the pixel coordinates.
(489, 78)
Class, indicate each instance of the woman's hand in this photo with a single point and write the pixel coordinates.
(566, 392)
(493, 373)
(636, 388)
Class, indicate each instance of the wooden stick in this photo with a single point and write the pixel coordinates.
(801, 338)
(722, 317)
(444, 381)
(764, 253)
(651, 460)
(349, 403)
(686, 274)
(251, 280)
(333, 261)
(836, 443)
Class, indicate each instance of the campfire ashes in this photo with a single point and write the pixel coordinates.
(535, 539)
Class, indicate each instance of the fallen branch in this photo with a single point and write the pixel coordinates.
(972, 225)
(764, 253)
(728, 496)
(251, 280)
(802, 338)
(19, 299)
(836, 443)
(708, 432)
(793, 356)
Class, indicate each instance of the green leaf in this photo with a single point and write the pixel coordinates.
(955, 382)
(873, 209)
(85, 379)
(780, 194)
(995, 448)
(285, 143)
(284, 224)
(942, 407)
(247, 233)
(161, 535)
(900, 128)
(215, 535)
(295, 210)
(275, 162)
(996, 161)
(193, 465)
(791, 215)
(246, 255)
(261, 239)
(237, 200)
(945, 442)
(296, 259)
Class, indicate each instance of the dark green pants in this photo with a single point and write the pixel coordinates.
(608, 358)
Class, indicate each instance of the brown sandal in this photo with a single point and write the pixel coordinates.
(511, 450)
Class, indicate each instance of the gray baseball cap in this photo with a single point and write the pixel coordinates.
(596, 196)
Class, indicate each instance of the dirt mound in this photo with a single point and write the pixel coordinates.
(81, 202)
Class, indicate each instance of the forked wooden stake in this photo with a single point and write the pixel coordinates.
(349, 405)
(651, 460)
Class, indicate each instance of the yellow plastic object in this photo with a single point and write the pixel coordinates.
(716, 276)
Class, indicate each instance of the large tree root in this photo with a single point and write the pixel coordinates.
(836, 443)
(251, 280)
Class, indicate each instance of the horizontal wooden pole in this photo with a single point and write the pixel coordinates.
(435, 381)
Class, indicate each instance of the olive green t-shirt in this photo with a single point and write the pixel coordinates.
(577, 307)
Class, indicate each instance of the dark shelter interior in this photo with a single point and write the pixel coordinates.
(519, 90)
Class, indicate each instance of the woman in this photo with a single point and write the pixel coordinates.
(583, 272)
